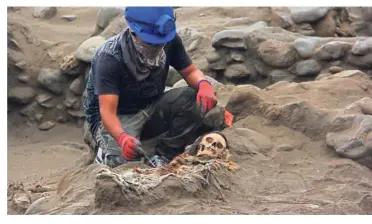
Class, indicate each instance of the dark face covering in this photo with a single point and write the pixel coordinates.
(141, 58)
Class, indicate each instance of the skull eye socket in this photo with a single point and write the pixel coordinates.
(209, 139)
(219, 145)
(200, 147)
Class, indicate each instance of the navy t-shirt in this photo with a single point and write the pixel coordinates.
(108, 69)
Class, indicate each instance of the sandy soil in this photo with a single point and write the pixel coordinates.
(36, 36)
(304, 179)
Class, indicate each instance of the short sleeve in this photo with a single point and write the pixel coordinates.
(107, 75)
(179, 59)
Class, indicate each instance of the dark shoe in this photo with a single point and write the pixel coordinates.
(158, 161)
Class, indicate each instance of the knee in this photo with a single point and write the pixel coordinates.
(187, 94)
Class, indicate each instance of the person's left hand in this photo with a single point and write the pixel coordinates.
(206, 97)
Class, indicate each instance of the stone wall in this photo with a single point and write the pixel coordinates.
(264, 55)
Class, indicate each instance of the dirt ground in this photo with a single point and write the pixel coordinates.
(306, 177)
(26, 141)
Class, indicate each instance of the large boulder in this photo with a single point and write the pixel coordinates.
(51, 80)
(236, 71)
(361, 61)
(106, 14)
(277, 53)
(235, 38)
(333, 50)
(308, 14)
(87, 49)
(308, 68)
(362, 46)
(305, 46)
(78, 85)
(21, 94)
(280, 75)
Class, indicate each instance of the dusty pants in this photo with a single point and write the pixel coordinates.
(174, 117)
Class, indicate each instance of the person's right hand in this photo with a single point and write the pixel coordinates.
(131, 147)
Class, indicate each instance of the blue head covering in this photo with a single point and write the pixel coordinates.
(154, 25)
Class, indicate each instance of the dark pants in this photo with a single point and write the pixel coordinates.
(175, 118)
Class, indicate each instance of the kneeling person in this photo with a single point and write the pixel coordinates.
(125, 90)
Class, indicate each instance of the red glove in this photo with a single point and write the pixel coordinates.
(206, 95)
(131, 147)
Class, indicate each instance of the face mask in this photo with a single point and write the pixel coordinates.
(151, 55)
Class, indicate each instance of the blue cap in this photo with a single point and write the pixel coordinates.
(154, 25)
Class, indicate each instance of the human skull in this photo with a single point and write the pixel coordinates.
(211, 145)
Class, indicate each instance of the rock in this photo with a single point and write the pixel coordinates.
(364, 61)
(191, 38)
(76, 114)
(236, 71)
(230, 39)
(24, 78)
(237, 56)
(308, 14)
(117, 25)
(72, 101)
(213, 56)
(46, 100)
(333, 50)
(261, 68)
(21, 64)
(285, 18)
(13, 44)
(21, 94)
(106, 14)
(284, 147)
(280, 75)
(218, 65)
(87, 49)
(44, 12)
(173, 77)
(362, 46)
(308, 68)
(78, 85)
(305, 46)
(277, 53)
(326, 27)
(270, 34)
(61, 119)
(71, 65)
(39, 117)
(335, 69)
(239, 21)
(351, 136)
(29, 110)
(69, 17)
(361, 20)
(14, 57)
(235, 38)
(51, 80)
(305, 29)
(47, 125)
